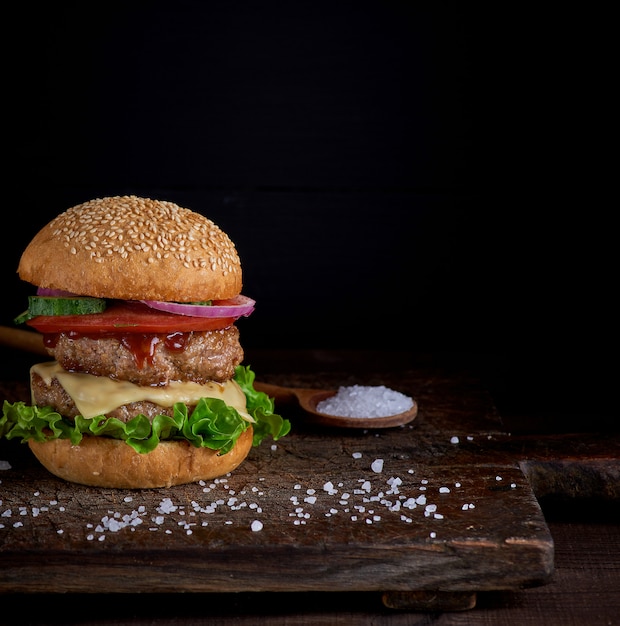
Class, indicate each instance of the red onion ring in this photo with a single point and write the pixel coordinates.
(233, 307)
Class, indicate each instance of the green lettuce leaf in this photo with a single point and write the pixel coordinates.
(212, 424)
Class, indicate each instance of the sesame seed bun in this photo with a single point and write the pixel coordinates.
(132, 248)
(105, 462)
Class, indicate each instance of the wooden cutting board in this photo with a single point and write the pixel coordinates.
(425, 514)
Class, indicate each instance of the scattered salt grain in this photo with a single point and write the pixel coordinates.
(256, 525)
(394, 482)
(364, 401)
(377, 466)
(454, 440)
(166, 506)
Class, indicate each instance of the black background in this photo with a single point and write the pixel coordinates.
(395, 175)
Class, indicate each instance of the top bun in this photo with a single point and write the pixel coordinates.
(131, 248)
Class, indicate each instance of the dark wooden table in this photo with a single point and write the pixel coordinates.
(524, 527)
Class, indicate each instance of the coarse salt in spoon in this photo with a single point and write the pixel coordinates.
(356, 406)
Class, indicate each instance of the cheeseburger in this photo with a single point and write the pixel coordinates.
(137, 301)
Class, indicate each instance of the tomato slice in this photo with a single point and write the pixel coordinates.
(127, 317)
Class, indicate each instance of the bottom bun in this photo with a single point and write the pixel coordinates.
(105, 462)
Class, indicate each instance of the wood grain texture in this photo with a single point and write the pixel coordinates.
(438, 515)
(567, 470)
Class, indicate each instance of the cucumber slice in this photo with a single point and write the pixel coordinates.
(79, 305)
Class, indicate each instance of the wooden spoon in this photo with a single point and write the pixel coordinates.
(27, 340)
(309, 398)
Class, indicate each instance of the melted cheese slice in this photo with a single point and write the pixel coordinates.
(97, 395)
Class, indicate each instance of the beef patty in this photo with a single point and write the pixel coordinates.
(54, 395)
(153, 359)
